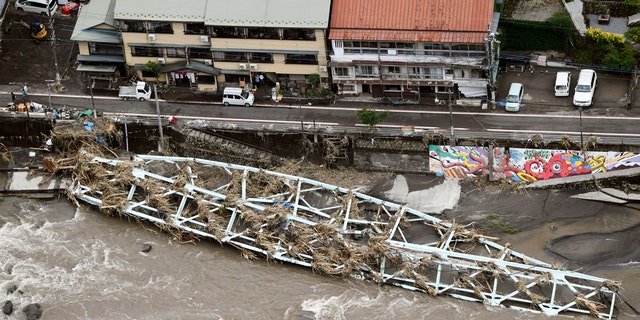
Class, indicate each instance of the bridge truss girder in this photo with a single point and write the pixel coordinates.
(334, 230)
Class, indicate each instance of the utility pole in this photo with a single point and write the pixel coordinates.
(93, 104)
(49, 91)
(161, 144)
(53, 49)
(449, 92)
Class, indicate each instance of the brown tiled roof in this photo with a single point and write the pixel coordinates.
(465, 21)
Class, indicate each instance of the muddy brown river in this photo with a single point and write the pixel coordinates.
(79, 264)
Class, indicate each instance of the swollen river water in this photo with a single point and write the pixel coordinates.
(80, 264)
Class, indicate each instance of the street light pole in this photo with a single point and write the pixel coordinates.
(161, 144)
(581, 141)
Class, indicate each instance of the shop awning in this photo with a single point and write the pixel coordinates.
(97, 69)
(99, 58)
(187, 66)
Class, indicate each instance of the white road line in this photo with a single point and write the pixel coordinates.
(114, 114)
(566, 132)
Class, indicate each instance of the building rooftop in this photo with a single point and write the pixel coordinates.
(464, 21)
(248, 13)
(163, 10)
(94, 23)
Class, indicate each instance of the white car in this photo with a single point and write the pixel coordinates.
(42, 7)
(514, 98)
(563, 83)
(587, 82)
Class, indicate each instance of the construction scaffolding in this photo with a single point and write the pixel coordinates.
(334, 230)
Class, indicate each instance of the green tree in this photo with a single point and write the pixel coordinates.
(153, 67)
(314, 79)
(624, 58)
(371, 117)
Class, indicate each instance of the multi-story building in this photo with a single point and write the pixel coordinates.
(209, 44)
(282, 39)
(101, 54)
(411, 48)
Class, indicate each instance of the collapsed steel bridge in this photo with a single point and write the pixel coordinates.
(334, 230)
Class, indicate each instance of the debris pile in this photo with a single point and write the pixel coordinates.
(95, 136)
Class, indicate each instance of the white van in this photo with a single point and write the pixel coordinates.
(514, 98)
(238, 97)
(42, 7)
(563, 83)
(587, 82)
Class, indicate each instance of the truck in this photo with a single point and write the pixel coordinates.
(141, 91)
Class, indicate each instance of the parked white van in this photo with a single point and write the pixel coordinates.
(563, 83)
(42, 7)
(514, 98)
(238, 97)
(587, 82)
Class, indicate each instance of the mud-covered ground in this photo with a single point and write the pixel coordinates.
(551, 225)
(25, 60)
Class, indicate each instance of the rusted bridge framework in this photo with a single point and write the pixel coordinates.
(336, 231)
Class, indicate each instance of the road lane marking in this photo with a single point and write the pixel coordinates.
(566, 132)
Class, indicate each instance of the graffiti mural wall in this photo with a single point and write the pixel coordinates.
(524, 164)
(459, 161)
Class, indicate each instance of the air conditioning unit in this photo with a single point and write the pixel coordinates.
(322, 68)
(243, 66)
(204, 38)
(151, 37)
(162, 61)
(208, 62)
(253, 66)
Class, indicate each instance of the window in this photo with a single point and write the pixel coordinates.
(465, 49)
(360, 47)
(261, 57)
(176, 52)
(195, 28)
(146, 51)
(349, 87)
(367, 70)
(393, 88)
(201, 53)
(228, 32)
(298, 34)
(416, 72)
(341, 72)
(160, 27)
(301, 59)
(230, 56)
(393, 69)
(206, 79)
(263, 33)
(132, 26)
(105, 49)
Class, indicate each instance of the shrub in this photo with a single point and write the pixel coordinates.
(633, 34)
(371, 117)
(601, 37)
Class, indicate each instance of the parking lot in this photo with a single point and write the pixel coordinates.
(612, 92)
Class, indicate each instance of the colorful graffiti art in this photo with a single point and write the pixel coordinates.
(459, 161)
(525, 164)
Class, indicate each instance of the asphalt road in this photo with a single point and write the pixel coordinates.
(467, 122)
